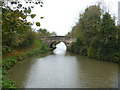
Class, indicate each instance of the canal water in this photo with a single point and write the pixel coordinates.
(64, 70)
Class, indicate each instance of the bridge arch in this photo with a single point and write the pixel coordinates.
(54, 43)
(53, 40)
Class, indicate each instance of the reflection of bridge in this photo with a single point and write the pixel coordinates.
(56, 39)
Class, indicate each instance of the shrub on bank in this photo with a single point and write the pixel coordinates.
(9, 62)
(7, 83)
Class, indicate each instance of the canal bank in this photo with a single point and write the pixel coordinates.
(9, 62)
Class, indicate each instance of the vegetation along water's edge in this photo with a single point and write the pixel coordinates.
(19, 39)
(10, 61)
(97, 35)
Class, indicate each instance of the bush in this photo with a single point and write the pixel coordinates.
(7, 83)
(29, 39)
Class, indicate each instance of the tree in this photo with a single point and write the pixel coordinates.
(89, 23)
(44, 32)
(53, 34)
(108, 32)
(16, 31)
(98, 36)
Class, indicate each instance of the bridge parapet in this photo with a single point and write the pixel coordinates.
(50, 39)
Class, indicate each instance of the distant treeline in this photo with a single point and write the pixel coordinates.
(97, 35)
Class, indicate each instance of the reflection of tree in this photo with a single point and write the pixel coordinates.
(92, 75)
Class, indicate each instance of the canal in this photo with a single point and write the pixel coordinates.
(64, 70)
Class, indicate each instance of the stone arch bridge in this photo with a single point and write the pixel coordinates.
(51, 40)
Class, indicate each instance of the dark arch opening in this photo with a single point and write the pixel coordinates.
(54, 43)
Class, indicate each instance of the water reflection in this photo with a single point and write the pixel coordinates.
(61, 49)
(64, 71)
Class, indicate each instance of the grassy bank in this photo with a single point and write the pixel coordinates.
(37, 48)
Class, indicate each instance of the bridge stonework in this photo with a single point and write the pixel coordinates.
(50, 39)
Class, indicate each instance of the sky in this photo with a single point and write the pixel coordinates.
(61, 15)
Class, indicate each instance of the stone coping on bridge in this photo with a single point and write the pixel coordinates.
(56, 36)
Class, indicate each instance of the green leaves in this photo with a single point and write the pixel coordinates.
(37, 23)
(23, 16)
(98, 35)
(15, 27)
(33, 15)
(27, 10)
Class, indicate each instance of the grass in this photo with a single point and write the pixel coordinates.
(17, 51)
